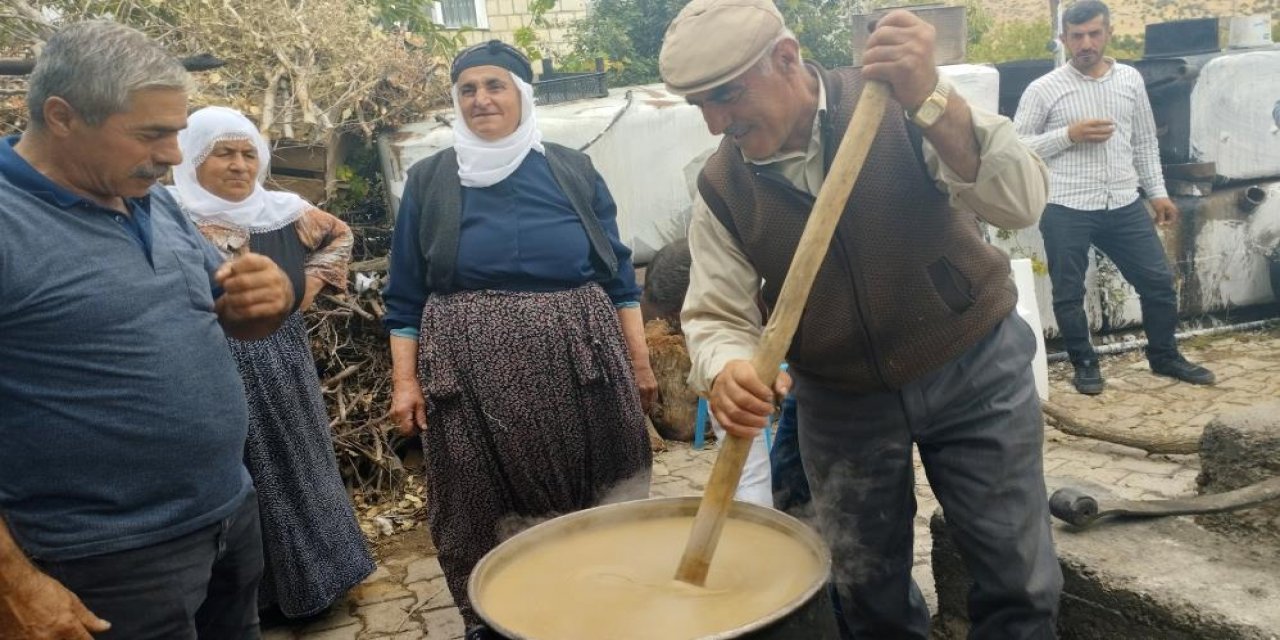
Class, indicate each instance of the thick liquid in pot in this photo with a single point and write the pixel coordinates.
(615, 582)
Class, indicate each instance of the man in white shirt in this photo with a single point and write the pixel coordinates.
(1091, 122)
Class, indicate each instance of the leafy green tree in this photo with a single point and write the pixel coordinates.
(627, 33)
(526, 37)
(822, 27)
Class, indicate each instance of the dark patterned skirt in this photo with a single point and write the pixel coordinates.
(532, 412)
(312, 543)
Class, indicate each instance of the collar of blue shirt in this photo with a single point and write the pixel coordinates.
(22, 175)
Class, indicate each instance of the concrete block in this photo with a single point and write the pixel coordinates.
(1160, 579)
(1239, 449)
(432, 594)
(444, 624)
(423, 569)
(386, 617)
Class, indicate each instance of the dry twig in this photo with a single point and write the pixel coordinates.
(1067, 423)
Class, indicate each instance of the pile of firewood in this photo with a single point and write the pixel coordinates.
(354, 363)
(301, 70)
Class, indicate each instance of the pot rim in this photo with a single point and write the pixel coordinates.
(655, 508)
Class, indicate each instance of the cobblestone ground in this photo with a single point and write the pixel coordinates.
(407, 598)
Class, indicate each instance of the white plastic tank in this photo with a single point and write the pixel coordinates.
(1028, 310)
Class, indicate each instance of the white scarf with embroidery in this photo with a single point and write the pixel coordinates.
(263, 210)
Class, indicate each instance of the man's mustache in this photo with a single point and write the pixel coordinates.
(150, 173)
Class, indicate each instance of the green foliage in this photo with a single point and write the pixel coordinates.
(822, 27)
(538, 11)
(1029, 40)
(357, 185)
(1126, 47)
(978, 20)
(358, 177)
(526, 36)
(527, 41)
(1011, 40)
(414, 17)
(628, 33)
(410, 15)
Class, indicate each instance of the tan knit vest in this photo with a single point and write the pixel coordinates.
(908, 283)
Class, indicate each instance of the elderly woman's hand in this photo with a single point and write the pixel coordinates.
(408, 407)
(646, 383)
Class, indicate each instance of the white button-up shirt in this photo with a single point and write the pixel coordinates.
(1093, 175)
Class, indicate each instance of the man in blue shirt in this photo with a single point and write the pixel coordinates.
(125, 509)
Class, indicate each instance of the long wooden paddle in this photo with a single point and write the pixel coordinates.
(776, 339)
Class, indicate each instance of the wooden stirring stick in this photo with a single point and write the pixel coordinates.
(776, 339)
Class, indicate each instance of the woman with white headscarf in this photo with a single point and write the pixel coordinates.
(313, 546)
(517, 344)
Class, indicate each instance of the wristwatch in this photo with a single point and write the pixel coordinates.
(928, 113)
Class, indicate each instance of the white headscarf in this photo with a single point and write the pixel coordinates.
(260, 212)
(482, 163)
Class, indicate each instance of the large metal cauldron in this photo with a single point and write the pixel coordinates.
(807, 617)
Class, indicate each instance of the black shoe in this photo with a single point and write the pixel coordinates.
(1178, 367)
(1088, 378)
(481, 632)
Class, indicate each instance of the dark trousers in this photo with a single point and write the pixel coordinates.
(977, 424)
(1128, 236)
(790, 488)
(202, 585)
(791, 493)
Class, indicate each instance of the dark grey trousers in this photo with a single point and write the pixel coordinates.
(977, 424)
(1128, 236)
(202, 585)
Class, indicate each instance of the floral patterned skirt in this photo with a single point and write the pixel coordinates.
(314, 549)
(532, 412)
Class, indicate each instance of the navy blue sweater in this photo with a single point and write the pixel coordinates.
(521, 234)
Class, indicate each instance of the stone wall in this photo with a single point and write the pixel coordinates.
(506, 16)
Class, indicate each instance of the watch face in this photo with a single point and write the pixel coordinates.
(929, 112)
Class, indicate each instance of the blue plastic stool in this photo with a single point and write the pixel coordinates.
(700, 425)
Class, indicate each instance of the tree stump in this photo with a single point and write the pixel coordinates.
(676, 409)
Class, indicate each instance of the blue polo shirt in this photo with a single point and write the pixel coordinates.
(122, 415)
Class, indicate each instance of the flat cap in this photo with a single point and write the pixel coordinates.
(711, 42)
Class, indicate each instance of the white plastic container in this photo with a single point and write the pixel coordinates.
(1232, 122)
(1028, 310)
(1249, 31)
